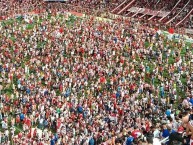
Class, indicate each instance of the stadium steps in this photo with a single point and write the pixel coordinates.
(177, 13)
(185, 18)
(125, 8)
(144, 14)
(154, 15)
(170, 11)
(128, 14)
(132, 14)
(136, 13)
(157, 3)
(148, 6)
(138, 5)
(118, 6)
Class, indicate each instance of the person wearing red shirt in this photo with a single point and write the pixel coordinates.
(135, 133)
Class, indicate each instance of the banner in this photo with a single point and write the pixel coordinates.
(148, 11)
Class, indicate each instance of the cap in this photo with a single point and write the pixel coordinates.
(180, 129)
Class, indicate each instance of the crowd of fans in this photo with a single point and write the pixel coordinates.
(176, 10)
(96, 5)
(88, 82)
(90, 4)
(168, 6)
(84, 81)
(16, 6)
(183, 13)
(174, 7)
(137, 4)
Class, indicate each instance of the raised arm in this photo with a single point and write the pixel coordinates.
(188, 132)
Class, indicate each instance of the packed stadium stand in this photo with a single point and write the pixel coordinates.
(11, 7)
(96, 72)
(177, 11)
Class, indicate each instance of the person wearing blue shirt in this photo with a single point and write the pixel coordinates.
(45, 92)
(67, 93)
(56, 137)
(166, 132)
(21, 117)
(45, 123)
(80, 109)
(28, 91)
(91, 141)
(115, 39)
(1, 68)
(52, 142)
(129, 140)
(191, 100)
(119, 88)
(118, 94)
(85, 113)
(168, 112)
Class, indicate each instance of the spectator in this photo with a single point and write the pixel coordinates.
(177, 136)
(130, 139)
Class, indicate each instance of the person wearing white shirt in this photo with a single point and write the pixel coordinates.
(0, 136)
(6, 135)
(4, 124)
(172, 115)
(156, 133)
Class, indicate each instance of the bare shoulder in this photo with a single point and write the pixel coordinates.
(189, 126)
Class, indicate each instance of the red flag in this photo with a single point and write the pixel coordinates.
(171, 30)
